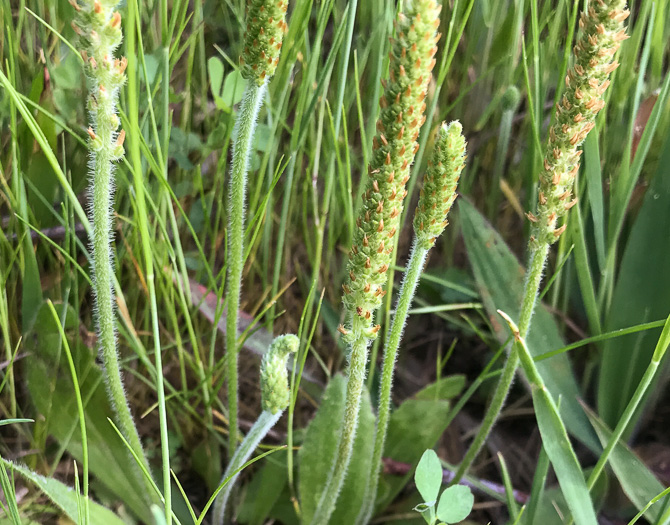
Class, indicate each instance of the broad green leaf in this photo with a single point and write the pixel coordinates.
(555, 438)
(642, 293)
(500, 279)
(455, 504)
(50, 387)
(446, 388)
(318, 452)
(414, 427)
(233, 87)
(637, 481)
(65, 497)
(215, 72)
(428, 476)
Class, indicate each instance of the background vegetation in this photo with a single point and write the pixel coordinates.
(500, 69)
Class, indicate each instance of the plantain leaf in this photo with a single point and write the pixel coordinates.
(500, 279)
(318, 452)
(65, 497)
(637, 481)
(415, 426)
(641, 294)
(50, 386)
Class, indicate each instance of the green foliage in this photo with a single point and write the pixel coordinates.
(50, 387)
(642, 293)
(455, 503)
(319, 129)
(637, 481)
(320, 447)
(63, 496)
(499, 277)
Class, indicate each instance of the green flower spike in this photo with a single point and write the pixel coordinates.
(274, 382)
(98, 25)
(437, 196)
(602, 33)
(412, 60)
(439, 184)
(395, 145)
(275, 397)
(266, 26)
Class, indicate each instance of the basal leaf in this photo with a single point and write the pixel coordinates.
(641, 294)
(50, 387)
(414, 427)
(637, 481)
(65, 497)
(318, 451)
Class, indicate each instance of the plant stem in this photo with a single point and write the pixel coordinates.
(266, 420)
(417, 260)
(538, 259)
(242, 145)
(645, 382)
(356, 380)
(102, 192)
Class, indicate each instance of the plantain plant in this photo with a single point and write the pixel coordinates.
(263, 39)
(98, 25)
(602, 32)
(394, 147)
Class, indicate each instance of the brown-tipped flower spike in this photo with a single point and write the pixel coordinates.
(439, 184)
(266, 25)
(602, 32)
(402, 114)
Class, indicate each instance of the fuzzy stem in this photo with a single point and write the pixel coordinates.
(242, 145)
(537, 261)
(417, 260)
(102, 193)
(356, 381)
(261, 427)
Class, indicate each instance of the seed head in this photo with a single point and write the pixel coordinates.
(601, 35)
(402, 107)
(266, 25)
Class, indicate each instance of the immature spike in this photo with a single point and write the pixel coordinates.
(275, 393)
(266, 25)
(439, 184)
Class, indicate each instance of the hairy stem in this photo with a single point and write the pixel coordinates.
(415, 266)
(261, 427)
(242, 144)
(356, 380)
(102, 194)
(538, 259)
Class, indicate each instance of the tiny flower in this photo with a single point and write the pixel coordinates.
(602, 32)
(439, 184)
(395, 145)
(266, 25)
